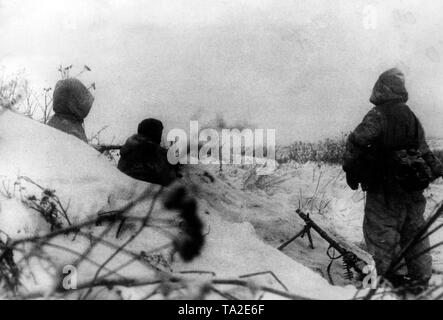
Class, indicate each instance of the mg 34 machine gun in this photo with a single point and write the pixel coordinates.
(351, 261)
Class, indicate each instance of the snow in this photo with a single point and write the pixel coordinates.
(269, 203)
(236, 219)
(435, 143)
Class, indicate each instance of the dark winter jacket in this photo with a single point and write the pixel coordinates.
(390, 125)
(72, 102)
(142, 159)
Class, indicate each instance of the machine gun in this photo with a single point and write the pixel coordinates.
(104, 147)
(350, 259)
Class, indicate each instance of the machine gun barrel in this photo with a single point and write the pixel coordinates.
(106, 147)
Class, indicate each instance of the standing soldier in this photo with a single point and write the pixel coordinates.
(388, 156)
(71, 103)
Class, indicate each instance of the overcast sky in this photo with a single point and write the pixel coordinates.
(305, 68)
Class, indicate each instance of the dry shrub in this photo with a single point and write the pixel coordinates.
(329, 150)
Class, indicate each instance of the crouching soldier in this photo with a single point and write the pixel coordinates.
(143, 158)
(388, 156)
(72, 102)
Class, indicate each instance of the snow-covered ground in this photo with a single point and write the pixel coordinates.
(36, 157)
(246, 217)
(320, 190)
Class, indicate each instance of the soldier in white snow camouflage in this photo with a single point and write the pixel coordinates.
(71, 104)
(393, 213)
